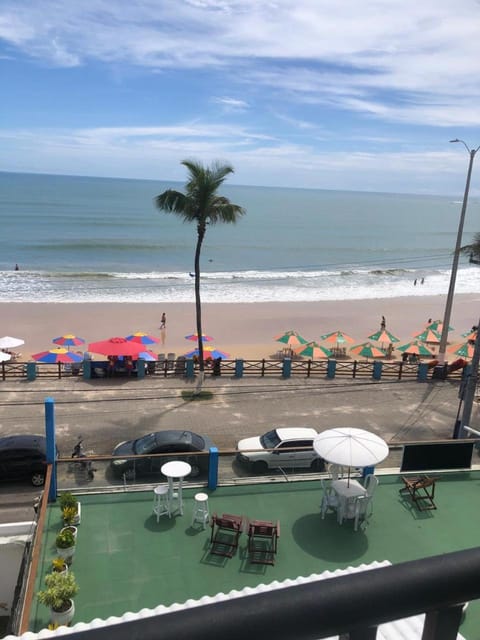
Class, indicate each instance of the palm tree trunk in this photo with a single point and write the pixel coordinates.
(198, 307)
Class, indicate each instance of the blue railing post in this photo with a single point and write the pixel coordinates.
(189, 368)
(140, 368)
(239, 368)
(377, 370)
(287, 367)
(31, 370)
(213, 468)
(51, 446)
(87, 369)
(331, 368)
(422, 372)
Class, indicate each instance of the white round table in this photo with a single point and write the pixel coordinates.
(176, 470)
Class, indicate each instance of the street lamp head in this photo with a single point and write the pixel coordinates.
(456, 140)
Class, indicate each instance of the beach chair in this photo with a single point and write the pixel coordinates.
(226, 530)
(421, 490)
(262, 541)
(171, 360)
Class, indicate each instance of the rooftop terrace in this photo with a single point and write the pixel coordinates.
(125, 561)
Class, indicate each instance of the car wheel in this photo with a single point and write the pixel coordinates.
(195, 472)
(318, 465)
(129, 474)
(260, 466)
(38, 479)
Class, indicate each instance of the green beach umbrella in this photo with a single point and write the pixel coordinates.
(415, 347)
(367, 350)
(383, 336)
(291, 338)
(465, 350)
(313, 350)
(437, 325)
(337, 336)
(428, 335)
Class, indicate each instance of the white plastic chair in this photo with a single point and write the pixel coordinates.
(364, 504)
(371, 484)
(329, 499)
(336, 471)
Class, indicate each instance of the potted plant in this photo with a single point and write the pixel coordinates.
(65, 543)
(69, 504)
(59, 565)
(60, 590)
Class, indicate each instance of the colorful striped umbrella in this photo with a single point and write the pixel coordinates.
(194, 337)
(337, 336)
(148, 356)
(428, 336)
(142, 338)
(465, 350)
(383, 336)
(367, 350)
(68, 340)
(57, 355)
(437, 325)
(415, 348)
(313, 350)
(471, 336)
(208, 352)
(291, 338)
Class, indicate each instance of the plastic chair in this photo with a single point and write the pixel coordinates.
(329, 499)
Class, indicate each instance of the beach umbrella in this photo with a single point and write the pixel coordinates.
(4, 357)
(68, 340)
(338, 337)
(350, 447)
(7, 342)
(313, 350)
(208, 352)
(415, 348)
(465, 350)
(116, 347)
(148, 356)
(429, 336)
(471, 336)
(142, 338)
(383, 336)
(437, 325)
(60, 354)
(194, 337)
(291, 338)
(367, 350)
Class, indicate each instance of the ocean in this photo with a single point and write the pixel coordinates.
(81, 239)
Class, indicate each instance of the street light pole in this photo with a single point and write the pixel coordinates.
(456, 255)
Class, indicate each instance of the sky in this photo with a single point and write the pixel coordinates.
(358, 95)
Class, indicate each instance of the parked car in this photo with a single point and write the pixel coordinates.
(22, 457)
(168, 442)
(274, 449)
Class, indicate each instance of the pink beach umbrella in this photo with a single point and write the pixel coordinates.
(116, 346)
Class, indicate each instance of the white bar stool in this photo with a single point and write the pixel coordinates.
(161, 503)
(200, 509)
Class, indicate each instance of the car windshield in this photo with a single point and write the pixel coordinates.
(270, 440)
(198, 443)
(145, 445)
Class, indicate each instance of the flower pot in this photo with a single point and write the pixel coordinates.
(63, 617)
(67, 554)
(71, 528)
(78, 517)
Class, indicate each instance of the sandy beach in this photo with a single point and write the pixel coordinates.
(242, 330)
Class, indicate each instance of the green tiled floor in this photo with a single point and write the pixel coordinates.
(126, 561)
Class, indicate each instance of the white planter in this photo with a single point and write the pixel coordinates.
(73, 529)
(63, 617)
(67, 554)
(78, 517)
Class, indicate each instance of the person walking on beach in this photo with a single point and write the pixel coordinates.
(163, 321)
(383, 323)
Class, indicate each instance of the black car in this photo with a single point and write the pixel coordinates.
(166, 442)
(23, 456)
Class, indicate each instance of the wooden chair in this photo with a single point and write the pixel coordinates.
(262, 541)
(226, 530)
(421, 490)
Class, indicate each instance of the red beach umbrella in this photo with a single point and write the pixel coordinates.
(116, 347)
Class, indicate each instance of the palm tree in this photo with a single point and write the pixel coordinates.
(473, 250)
(201, 204)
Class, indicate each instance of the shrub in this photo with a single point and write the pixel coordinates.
(67, 499)
(58, 564)
(61, 588)
(69, 514)
(65, 539)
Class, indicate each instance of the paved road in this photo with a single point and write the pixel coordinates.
(105, 412)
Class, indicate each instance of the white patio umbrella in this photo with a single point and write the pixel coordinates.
(7, 342)
(4, 356)
(350, 447)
